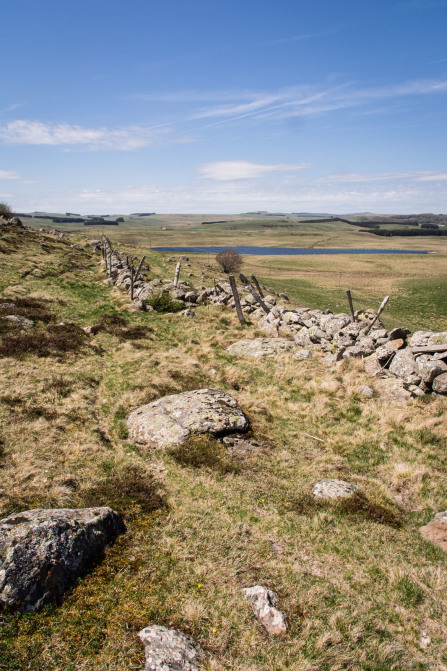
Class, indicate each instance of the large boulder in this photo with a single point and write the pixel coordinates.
(440, 384)
(42, 552)
(169, 650)
(171, 419)
(260, 347)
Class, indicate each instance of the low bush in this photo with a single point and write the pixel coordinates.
(204, 451)
(118, 326)
(56, 340)
(162, 302)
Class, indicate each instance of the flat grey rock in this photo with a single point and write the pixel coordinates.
(171, 419)
(21, 321)
(260, 347)
(42, 552)
(366, 391)
(169, 650)
(404, 366)
(263, 602)
(333, 489)
(303, 354)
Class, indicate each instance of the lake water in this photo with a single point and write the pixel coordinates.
(284, 251)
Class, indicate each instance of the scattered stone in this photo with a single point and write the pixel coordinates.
(20, 321)
(171, 419)
(366, 391)
(303, 354)
(393, 389)
(260, 347)
(42, 552)
(263, 602)
(333, 489)
(169, 650)
(436, 530)
(241, 445)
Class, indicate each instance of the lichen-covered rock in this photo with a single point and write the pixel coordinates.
(366, 391)
(260, 347)
(371, 364)
(302, 338)
(20, 321)
(439, 385)
(169, 650)
(404, 366)
(332, 324)
(393, 389)
(171, 419)
(420, 338)
(263, 602)
(42, 552)
(333, 489)
(386, 351)
(430, 368)
(438, 338)
(302, 354)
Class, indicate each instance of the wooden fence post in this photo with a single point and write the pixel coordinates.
(256, 283)
(139, 268)
(237, 301)
(110, 264)
(381, 309)
(256, 296)
(132, 270)
(177, 274)
(351, 307)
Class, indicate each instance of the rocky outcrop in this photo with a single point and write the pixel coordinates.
(42, 552)
(263, 602)
(169, 650)
(172, 419)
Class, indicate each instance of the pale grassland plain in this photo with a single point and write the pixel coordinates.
(362, 590)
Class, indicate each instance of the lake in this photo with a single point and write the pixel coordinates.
(283, 251)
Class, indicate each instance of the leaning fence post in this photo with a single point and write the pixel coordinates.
(381, 309)
(256, 283)
(177, 273)
(351, 307)
(237, 301)
(139, 268)
(132, 270)
(257, 298)
(110, 264)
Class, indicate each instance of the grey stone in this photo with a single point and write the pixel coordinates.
(302, 338)
(270, 300)
(42, 552)
(20, 321)
(430, 368)
(404, 366)
(386, 352)
(332, 324)
(263, 602)
(378, 334)
(366, 391)
(171, 419)
(399, 332)
(303, 354)
(169, 650)
(420, 338)
(333, 489)
(260, 347)
(440, 384)
(4, 307)
(438, 338)
(393, 389)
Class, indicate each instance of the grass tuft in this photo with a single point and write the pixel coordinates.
(204, 451)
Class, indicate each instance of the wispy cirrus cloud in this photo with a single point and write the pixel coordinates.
(231, 170)
(128, 138)
(9, 175)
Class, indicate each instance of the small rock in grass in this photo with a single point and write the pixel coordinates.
(302, 354)
(260, 347)
(436, 530)
(20, 321)
(263, 602)
(169, 650)
(366, 391)
(333, 489)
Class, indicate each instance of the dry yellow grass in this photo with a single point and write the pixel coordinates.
(362, 592)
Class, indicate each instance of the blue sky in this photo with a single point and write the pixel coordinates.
(220, 107)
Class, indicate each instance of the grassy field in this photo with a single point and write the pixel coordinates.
(361, 588)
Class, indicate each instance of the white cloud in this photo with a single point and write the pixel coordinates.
(127, 138)
(230, 170)
(9, 174)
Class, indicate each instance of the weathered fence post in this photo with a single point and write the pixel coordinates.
(381, 309)
(177, 274)
(351, 307)
(256, 283)
(132, 270)
(256, 296)
(110, 264)
(237, 301)
(139, 268)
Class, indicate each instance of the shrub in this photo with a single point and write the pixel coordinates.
(5, 211)
(162, 302)
(229, 260)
